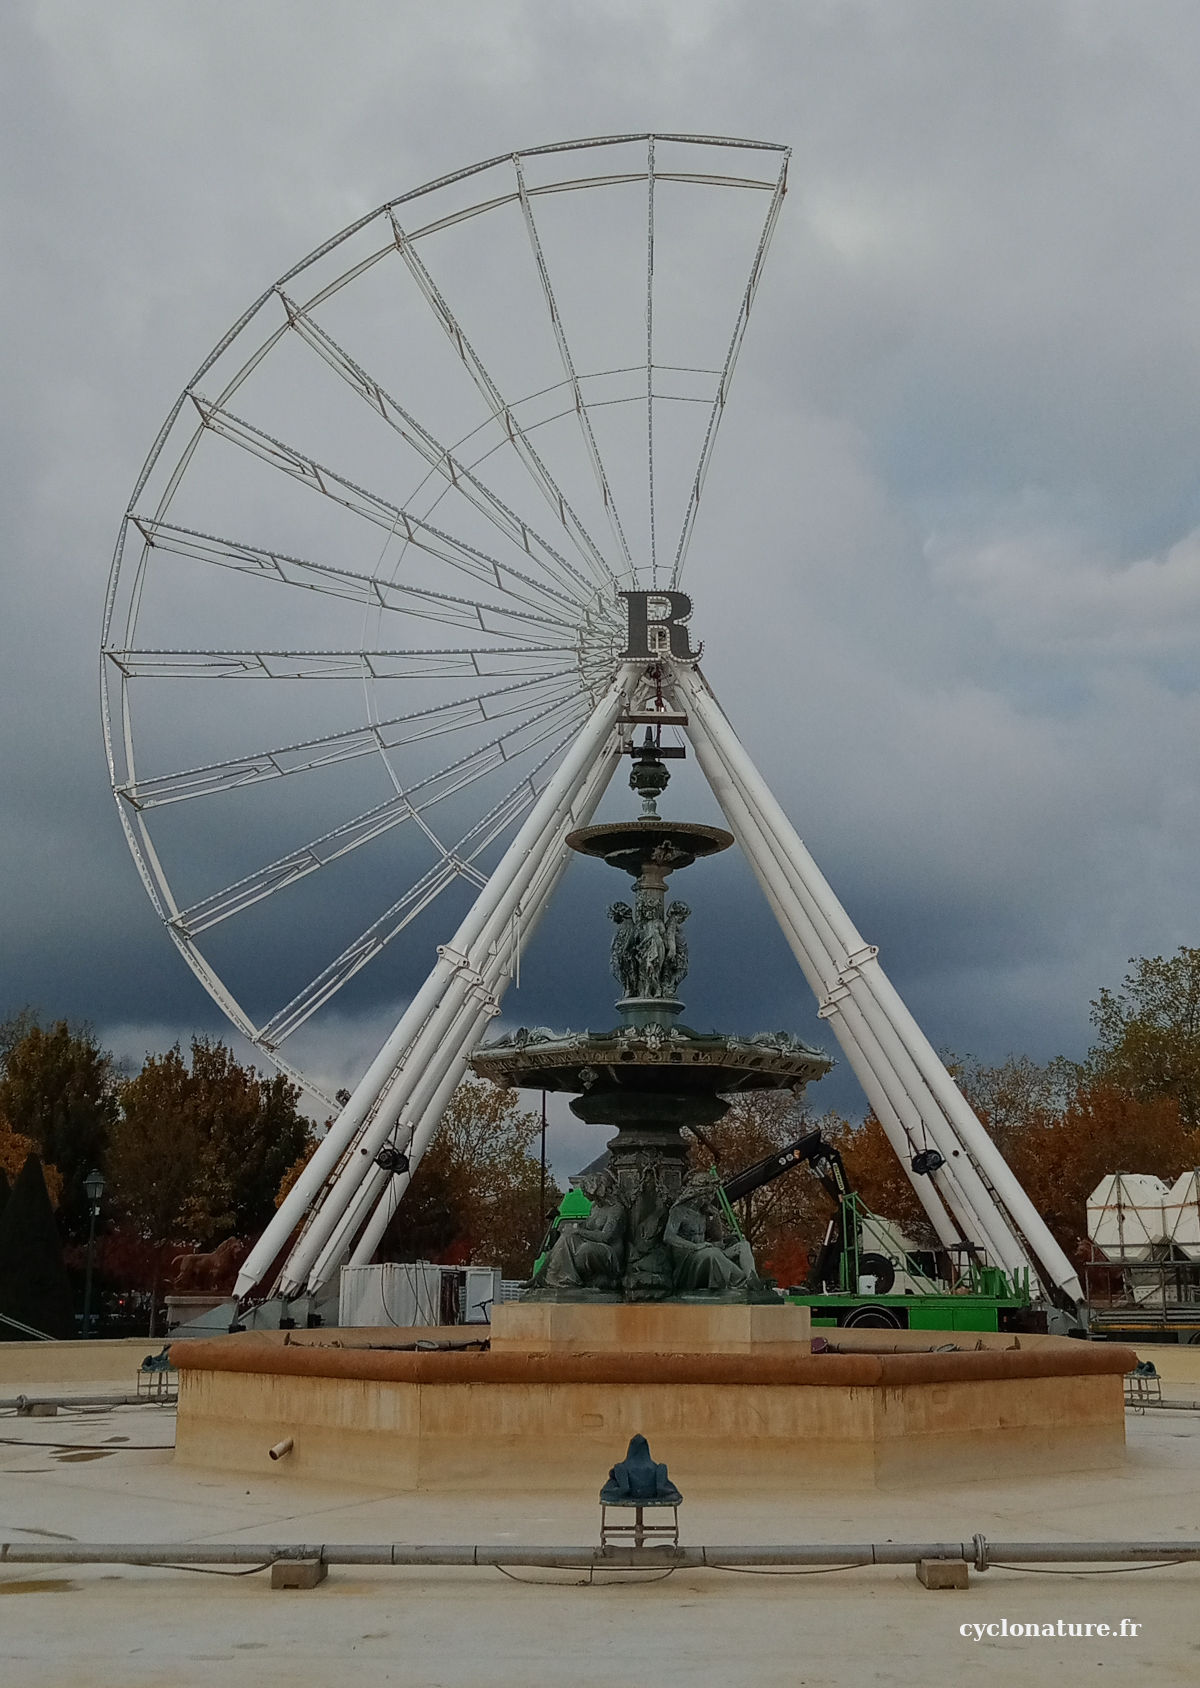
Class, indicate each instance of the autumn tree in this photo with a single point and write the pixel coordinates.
(1064, 1126)
(251, 1131)
(57, 1092)
(1015, 1094)
(155, 1148)
(34, 1289)
(784, 1221)
(15, 1150)
(1148, 1031)
(1062, 1157)
(476, 1193)
(201, 1145)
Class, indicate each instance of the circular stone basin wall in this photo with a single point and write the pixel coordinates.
(763, 1417)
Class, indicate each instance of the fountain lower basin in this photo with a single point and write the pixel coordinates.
(563, 1388)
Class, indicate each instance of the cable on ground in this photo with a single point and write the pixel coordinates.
(590, 1580)
(1100, 1571)
(90, 1447)
(215, 1571)
(783, 1571)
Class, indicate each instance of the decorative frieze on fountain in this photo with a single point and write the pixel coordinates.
(655, 1232)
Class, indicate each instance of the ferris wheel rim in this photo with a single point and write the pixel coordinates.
(592, 639)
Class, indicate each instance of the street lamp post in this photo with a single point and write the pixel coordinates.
(93, 1186)
(542, 1198)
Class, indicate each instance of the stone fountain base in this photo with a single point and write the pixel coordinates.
(744, 1407)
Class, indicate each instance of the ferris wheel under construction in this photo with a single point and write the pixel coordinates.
(425, 513)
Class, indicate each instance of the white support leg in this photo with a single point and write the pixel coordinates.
(861, 964)
(891, 1105)
(379, 1192)
(380, 1196)
(877, 1056)
(437, 1045)
(453, 976)
(977, 1212)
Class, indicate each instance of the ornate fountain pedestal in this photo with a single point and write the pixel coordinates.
(656, 1231)
(713, 1327)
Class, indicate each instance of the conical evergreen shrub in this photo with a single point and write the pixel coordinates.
(33, 1279)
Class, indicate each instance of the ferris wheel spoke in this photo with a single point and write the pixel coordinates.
(356, 956)
(511, 615)
(502, 411)
(458, 863)
(440, 457)
(435, 542)
(568, 363)
(266, 563)
(410, 804)
(522, 697)
(487, 663)
(735, 346)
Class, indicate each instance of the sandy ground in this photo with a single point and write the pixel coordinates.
(109, 1475)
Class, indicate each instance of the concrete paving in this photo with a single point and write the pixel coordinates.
(110, 1476)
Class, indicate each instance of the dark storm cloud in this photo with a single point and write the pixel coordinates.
(948, 563)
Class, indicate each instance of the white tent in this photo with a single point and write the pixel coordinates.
(1125, 1215)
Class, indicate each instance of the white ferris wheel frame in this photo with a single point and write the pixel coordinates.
(557, 615)
(554, 614)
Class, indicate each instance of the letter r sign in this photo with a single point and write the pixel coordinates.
(656, 626)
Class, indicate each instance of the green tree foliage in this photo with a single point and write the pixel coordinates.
(33, 1280)
(476, 1194)
(201, 1146)
(155, 1147)
(57, 1090)
(1148, 1032)
(1015, 1094)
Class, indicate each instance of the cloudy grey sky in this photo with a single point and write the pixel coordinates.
(948, 568)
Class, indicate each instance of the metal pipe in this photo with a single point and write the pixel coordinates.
(841, 992)
(27, 1330)
(975, 1139)
(977, 1551)
(383, 1196)
(378, 1196)
(893, 1107)
(18, 1402)
(481, 972)
(886, 1096)
(494, 899)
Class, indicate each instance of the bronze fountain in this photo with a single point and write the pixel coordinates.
(655, 1232)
